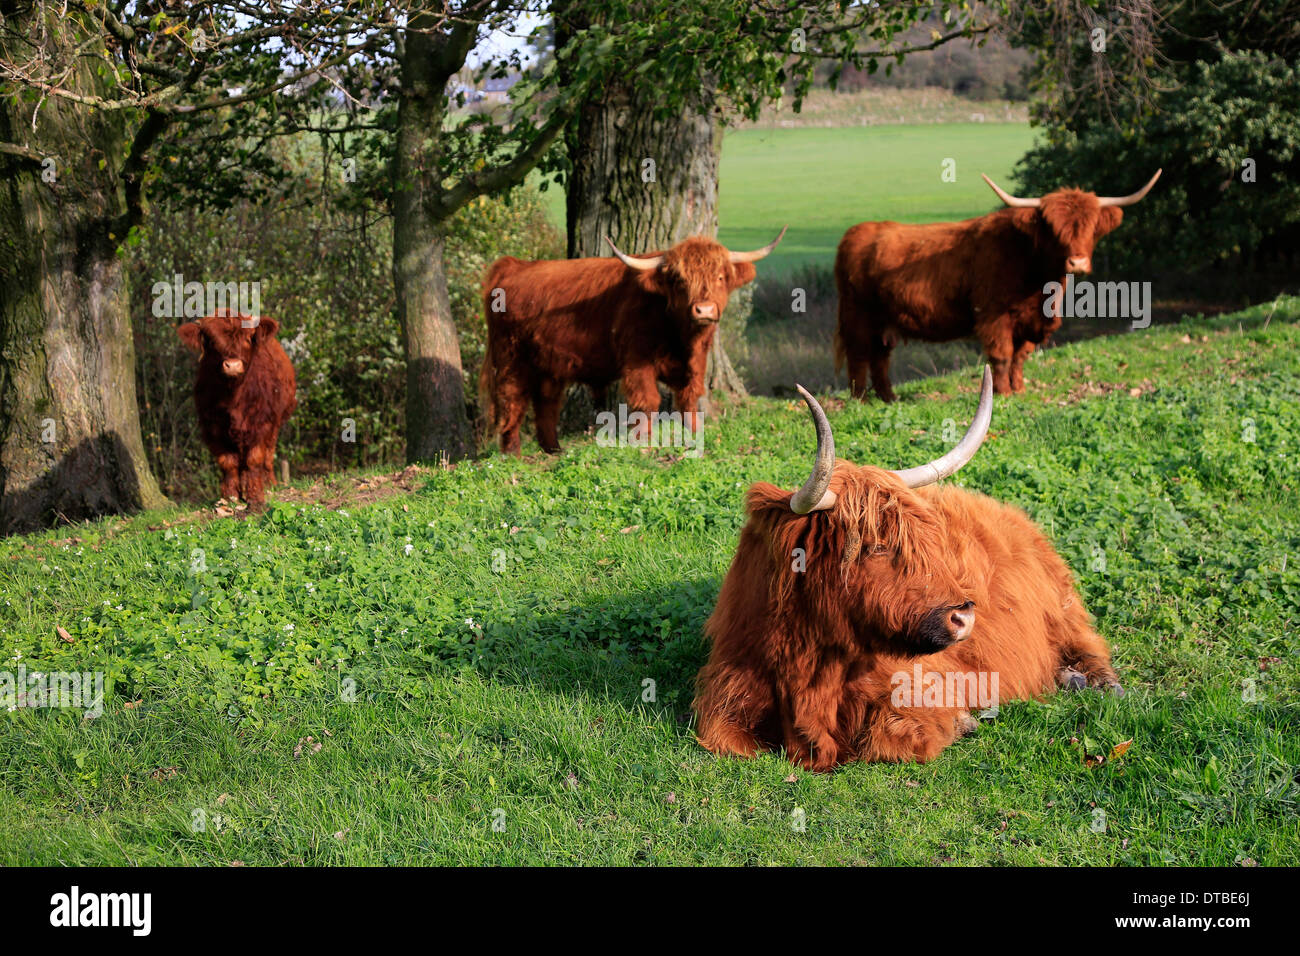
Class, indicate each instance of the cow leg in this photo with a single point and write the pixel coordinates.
(858, 375)
(687, 401)
(878, 352)
(814, 715)
(916, 734)
(733, 700)
(639, 385)
(268, 453)
(1085, 660)
(510, 404)
(1022, 352)
(999, 351)
(547, 398)
(228, 462)
(252, 477)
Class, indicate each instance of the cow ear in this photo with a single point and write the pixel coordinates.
(742, 273)
(189, 334)
(1110, 218)
(1027, 219)
(266, 328)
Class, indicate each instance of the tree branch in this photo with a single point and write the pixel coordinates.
(494, 178)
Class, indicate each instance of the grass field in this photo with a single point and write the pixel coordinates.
(821, 181)
(459, 674)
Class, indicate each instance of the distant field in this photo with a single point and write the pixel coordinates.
(823, 180)
(873, 107)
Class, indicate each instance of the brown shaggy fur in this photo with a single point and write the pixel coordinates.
(597, 321)
(804, 659)
(942, 281)
(240, 415)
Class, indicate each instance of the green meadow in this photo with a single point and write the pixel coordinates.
(496, 666)
(821, 181)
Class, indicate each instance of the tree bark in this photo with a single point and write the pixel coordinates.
(647, 182)
(436, 421)
(70, 445)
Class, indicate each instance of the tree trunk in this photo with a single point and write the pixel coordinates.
(70, 446)
(647, 182)
(436, 421)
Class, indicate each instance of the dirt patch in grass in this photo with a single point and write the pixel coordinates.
(336, 491)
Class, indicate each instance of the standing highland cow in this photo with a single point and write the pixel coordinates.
(841, 592)
(244, 391)
(983, 277)
(638, 320)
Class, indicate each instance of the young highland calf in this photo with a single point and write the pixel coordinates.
(635, 319)
(244, 391)
(865, 615)
(983, 277)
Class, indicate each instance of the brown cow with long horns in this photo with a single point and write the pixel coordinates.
(635, 319)
(983, 277)
(867, 614)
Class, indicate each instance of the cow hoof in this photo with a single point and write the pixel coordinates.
(966, 724)
(1116, 688)
(1070, 679)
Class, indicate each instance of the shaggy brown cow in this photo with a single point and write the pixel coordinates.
(641, 320)
(981, 277)
(864, 579)
(244, 391)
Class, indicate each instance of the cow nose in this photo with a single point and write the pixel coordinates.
(961, 621)
(1078, 264)
(704, 310)
(232, 367)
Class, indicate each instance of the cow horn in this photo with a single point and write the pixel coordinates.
(757, 253)
(646, 264)
(1011, 200)
(970, 443)
(813, 496)
(1132, 197)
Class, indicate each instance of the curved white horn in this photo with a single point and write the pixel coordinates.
(649, 262)
(813, 496)
(965, 450)
(1131, 198)
(757, 253)
(1009, 199)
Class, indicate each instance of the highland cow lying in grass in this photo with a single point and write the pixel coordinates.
(864, 583)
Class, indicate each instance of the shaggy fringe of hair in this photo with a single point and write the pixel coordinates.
(875, 510)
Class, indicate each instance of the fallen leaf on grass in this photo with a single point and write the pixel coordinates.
(312, 744)
(65, 635)
(1120, 749)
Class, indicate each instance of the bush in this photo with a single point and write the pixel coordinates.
(1244, 106)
